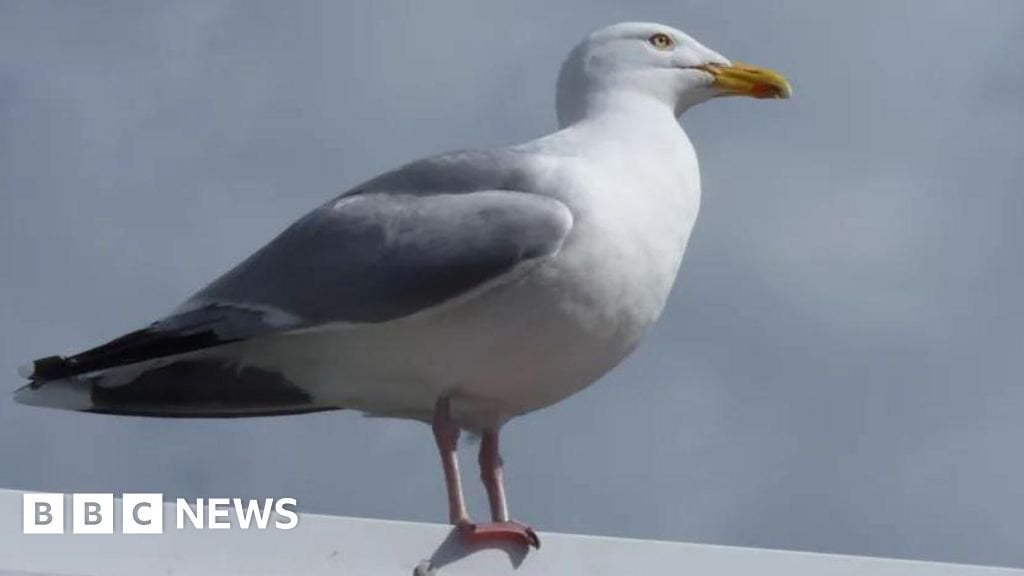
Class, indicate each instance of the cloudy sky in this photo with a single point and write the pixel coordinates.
(840, 365)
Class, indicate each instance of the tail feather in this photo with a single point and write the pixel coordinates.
(138, 346)
(199, 328)
(201, 387)
(183, 365)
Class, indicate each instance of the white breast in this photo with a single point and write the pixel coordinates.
(635, 201)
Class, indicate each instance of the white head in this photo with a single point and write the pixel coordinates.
(654, 62)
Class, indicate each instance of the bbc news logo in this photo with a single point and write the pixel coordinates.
(144, 514)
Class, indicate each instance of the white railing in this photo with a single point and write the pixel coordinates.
(339, 546)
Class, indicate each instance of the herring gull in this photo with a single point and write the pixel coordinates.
(463, 289)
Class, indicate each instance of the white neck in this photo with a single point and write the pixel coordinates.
(612, 103)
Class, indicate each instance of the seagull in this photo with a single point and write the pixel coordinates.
(460, 290)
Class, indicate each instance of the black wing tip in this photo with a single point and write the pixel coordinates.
(182, 389)
(48, 368)
(134, 347)
(270, 411)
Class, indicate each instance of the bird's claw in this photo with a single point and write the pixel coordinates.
(508, 531)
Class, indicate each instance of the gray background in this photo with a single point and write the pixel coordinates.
(839, 367)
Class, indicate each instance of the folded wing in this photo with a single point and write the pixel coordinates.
(366, 257)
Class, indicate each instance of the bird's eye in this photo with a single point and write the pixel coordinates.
(661, 41)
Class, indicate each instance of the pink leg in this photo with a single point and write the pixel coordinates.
(446, 434)
(500, 527)
(492, 476)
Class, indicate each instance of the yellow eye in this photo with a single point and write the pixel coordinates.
(661, 41)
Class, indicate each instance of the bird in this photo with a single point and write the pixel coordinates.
(460, 290)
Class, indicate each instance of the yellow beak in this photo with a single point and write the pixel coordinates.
(745, 80)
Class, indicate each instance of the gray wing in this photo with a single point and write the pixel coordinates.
(374, 256)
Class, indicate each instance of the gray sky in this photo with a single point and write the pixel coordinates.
(839, 367)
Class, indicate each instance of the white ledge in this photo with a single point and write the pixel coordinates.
(337, 546)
